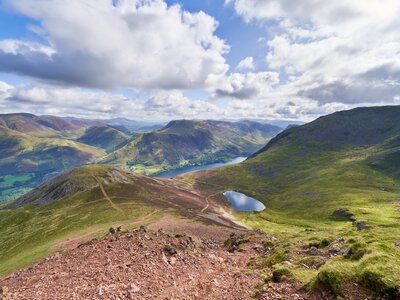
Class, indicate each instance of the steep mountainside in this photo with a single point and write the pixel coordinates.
(104, 137)
(32, 148)
(182, 143)
(338, 179)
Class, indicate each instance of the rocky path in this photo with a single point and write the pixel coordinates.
(188, 261)
(137, 265)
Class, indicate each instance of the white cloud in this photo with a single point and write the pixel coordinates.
(126, 43)
(47, 99)
(246, 86)
(175, 105)
(42, 99)
(332, 51)
(246, 64)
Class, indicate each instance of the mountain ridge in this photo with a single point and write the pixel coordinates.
(189, 142)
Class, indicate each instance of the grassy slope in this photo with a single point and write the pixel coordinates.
(308, 172)
(25, 153)
(104, 137)
(79, 208)
(184, 143)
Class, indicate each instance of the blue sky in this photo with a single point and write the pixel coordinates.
(166, 59)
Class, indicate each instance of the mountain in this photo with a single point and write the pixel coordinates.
(150, 128)
(37, 125)
(36, 147)
(330, 228)
(104, 137)
(277, 122)
(26, 160)
(333, 184)
(187, 142)
(131, 125)
(88, 200)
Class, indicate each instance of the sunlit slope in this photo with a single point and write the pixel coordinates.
(82, 203)
(104, 137)
(347, 160)
(182, 143)
(25, 159)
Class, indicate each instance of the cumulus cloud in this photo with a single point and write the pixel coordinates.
(47, 99)
(175, 104)
(125, 43)
(246, 64)
(246, 86)
(44, 99)
(332, 52)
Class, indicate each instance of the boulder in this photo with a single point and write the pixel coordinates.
(361, 225)
(343, 214)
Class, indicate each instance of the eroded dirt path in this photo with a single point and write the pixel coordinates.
(113, 205)
(208, 202)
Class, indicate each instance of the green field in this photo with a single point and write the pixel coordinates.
(11, 187)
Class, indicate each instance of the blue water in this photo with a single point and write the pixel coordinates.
(174, 173)
(241, 202)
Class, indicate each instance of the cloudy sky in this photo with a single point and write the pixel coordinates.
(160, 60)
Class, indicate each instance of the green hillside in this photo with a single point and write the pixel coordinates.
(84, 203)
(185, 143)
(35, 148)
(26, 159)
(345, 162)
(331, 189)
(104, 137)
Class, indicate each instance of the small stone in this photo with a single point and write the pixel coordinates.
(340, 240)
(164, 258)
(397, 244)
(112, 230)
(319, 264)
(334, 248)
(313, 251)
(347, 253)
(142, 228)
(134, 288)
(172, 260)
(169, 249)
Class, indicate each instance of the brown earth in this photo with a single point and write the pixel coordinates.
(141, 264)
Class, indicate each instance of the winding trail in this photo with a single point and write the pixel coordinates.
(113, 205)
(207, 202)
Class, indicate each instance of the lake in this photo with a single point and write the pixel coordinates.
(241, 202)
(174, 173)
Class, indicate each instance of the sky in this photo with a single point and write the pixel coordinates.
(212, 59)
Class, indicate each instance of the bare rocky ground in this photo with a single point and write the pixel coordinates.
(172, 259)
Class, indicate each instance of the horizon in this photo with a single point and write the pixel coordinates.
(232, 59)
